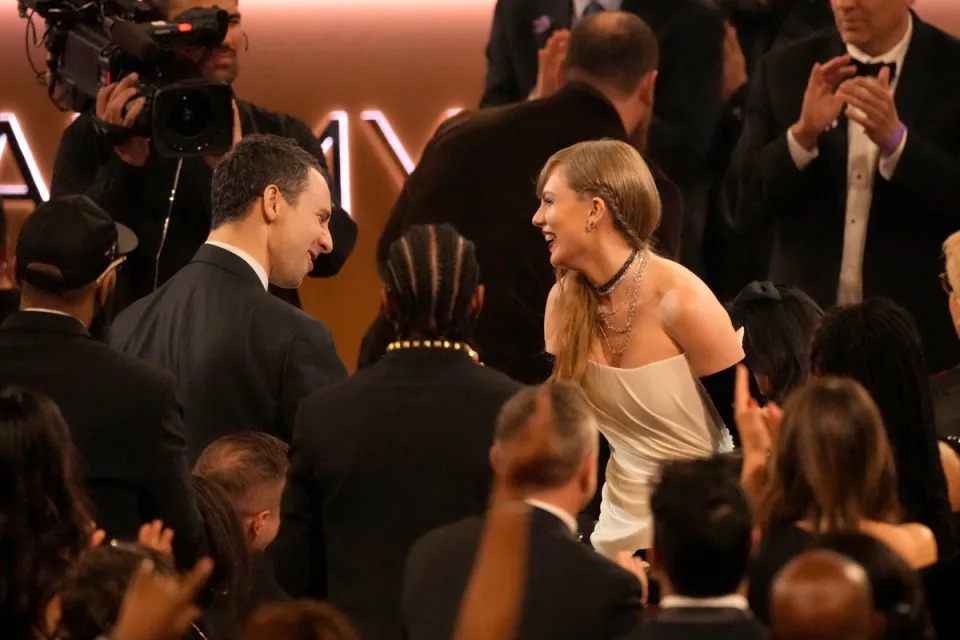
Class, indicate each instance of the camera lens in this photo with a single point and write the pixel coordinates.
(190, 114)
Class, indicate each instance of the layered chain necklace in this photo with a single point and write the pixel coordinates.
(630, 301)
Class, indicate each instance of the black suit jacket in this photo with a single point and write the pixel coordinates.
(378, 460)
(139, 198)
(243, 359)
(911, 214)
(696, 623)
(571, 591)
(479, 173)
(125, 420)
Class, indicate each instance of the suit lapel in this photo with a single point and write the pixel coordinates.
(915, 75)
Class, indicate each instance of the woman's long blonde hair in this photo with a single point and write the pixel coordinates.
(614, 172)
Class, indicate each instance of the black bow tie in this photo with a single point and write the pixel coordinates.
(872, 69)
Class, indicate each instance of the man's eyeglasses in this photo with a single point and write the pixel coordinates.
(945, 283)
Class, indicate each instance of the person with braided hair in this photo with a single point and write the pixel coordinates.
(398, 449)
(649, 342)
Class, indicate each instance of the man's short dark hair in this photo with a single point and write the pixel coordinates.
(701, 527)
(614, 47)
(257, 162)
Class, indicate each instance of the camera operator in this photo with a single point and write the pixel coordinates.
(134, 184)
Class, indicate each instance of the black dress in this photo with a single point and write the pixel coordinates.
(778, 547)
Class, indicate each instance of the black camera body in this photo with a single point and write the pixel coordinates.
(93, 43)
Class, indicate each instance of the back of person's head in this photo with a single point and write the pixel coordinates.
(44, 513)
(562, 410)
(897, 589)
(778, 324)
(229, 586)
(299, 620)
(94, 588)
(614, 172)
(701, 528)
(832, 465)
(821, 595)
(252, 469)
(614, 48)
(877, 344)
(432, 283)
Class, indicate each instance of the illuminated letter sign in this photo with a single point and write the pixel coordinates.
(34, 188)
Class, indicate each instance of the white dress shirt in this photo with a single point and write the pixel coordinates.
(731, 601)
(568, 519)
(863, 162)
(246, 257)
(579, 6)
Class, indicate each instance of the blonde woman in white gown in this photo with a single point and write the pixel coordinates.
(640, 333)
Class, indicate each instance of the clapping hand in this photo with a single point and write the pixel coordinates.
(821, 101)
(870, 104)
(158, 606)
(759, 427)
(550, 61)
(154, 536)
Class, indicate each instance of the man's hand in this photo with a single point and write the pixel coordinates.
(637, 567)
(160, 607)
(550, 61)
(734, 64)
(870, 104)
(118, 104)
(821, 102)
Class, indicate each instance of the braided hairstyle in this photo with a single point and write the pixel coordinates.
(877, 344)
(432, 273)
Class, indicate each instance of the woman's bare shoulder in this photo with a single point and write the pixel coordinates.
(914, 542)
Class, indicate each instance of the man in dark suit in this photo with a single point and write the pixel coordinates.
(701, 545)
(243, 359)
(479, 171)
(688, 106)
(123, 414)
(399, 448)
(850, 165)
(571, 592)
(133, 183)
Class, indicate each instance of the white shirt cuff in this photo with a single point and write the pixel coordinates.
(888, 164)
(801, 157)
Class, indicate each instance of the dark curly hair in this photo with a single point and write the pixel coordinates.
(877, 344)
(44, 510)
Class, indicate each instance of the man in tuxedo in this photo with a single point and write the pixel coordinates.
(242, 358)
(479, 171)
(571, 592)
(849, 150)
(822, 595)
(701, 545)
(123, 414)
(398, 449)
(688, 106)
(133, 183)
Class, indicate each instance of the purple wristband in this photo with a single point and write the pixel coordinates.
(890, 144)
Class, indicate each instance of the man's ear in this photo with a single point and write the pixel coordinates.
(271, 203)
(476, 302)
(646, 91)
(495, 459)
(105, 287)
(389, 304)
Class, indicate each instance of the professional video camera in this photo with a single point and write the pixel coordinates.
(92, 43)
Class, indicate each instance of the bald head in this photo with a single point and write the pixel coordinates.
(558, 418)
(614, 48)
(821, 595)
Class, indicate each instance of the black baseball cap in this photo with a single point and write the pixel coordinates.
(69, 242)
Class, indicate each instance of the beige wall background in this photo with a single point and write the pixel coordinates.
(410, 59)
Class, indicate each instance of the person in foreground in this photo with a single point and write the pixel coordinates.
(701, 545)
(243, 360)
(822, 465)
(643, 335)
(569, 591)
(123, 414)
(402, 446)
(821, 595)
